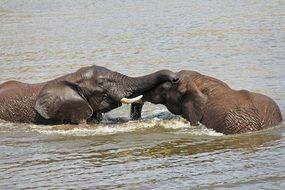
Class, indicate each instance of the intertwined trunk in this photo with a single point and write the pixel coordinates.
(138, 85)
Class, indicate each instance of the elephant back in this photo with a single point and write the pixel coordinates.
(17, 102)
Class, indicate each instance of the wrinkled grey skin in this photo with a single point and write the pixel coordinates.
(200, 98)
(73, 98)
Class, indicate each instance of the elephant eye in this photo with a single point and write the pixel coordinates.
(100, 82)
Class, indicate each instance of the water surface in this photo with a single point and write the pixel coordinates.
(239, 42)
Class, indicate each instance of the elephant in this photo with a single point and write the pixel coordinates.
(76, 97)
(211, 102)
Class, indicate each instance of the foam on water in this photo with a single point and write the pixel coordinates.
(174, 125)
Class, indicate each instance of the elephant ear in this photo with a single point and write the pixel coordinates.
(193, 104)
(63, 101)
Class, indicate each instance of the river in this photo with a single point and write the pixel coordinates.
(239, 42)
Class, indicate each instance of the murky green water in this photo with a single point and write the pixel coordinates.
(240, 42)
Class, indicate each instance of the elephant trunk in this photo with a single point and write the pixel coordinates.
(135, 86)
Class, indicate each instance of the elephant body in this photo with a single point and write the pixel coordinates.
(75, 97)
(204, 99)
(17, 102)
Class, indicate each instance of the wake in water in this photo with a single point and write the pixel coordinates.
(162, 122)
(157, 123)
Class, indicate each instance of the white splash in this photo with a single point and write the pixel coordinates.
(175, 125)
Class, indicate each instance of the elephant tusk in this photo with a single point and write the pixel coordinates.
(131, 100)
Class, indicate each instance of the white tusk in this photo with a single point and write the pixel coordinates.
(131, 100)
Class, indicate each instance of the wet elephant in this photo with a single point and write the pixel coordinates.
(73, 98)
(204, 99)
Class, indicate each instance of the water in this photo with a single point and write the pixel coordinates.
(239, 42)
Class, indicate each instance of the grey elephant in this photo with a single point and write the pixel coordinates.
(204, 99)
(76, 97)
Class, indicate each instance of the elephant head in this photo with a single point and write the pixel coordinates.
(93, 90)
(188, 97)
(166, 93)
